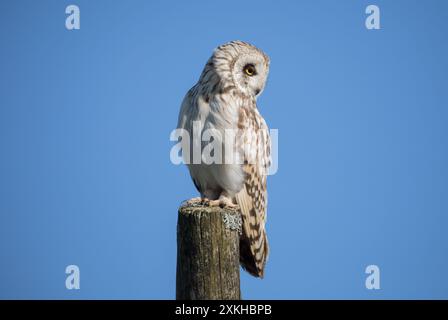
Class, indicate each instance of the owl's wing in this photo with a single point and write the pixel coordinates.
(193, 109)
(187, 111)
(252, 199)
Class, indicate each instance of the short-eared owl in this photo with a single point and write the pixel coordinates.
(224, 99)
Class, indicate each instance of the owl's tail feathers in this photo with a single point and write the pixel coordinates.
(254, 248)
(253, 263)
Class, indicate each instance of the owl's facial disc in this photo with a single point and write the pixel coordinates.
(250, 74)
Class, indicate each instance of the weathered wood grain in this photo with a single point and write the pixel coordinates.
(208, 253)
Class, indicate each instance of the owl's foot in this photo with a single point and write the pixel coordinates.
(196, 201)
(222, 202)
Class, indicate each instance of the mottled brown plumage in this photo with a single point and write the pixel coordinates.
(225, 99)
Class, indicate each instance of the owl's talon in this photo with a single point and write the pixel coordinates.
(231, 205)
(196, 201)
(213, 203)
(222, 202)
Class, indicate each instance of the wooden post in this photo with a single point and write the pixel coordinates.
(208, 265)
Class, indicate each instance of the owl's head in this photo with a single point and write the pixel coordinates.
(241, 65)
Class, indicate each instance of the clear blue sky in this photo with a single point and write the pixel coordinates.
(85, 118)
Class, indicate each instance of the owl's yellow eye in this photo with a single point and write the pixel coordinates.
(249, 69)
